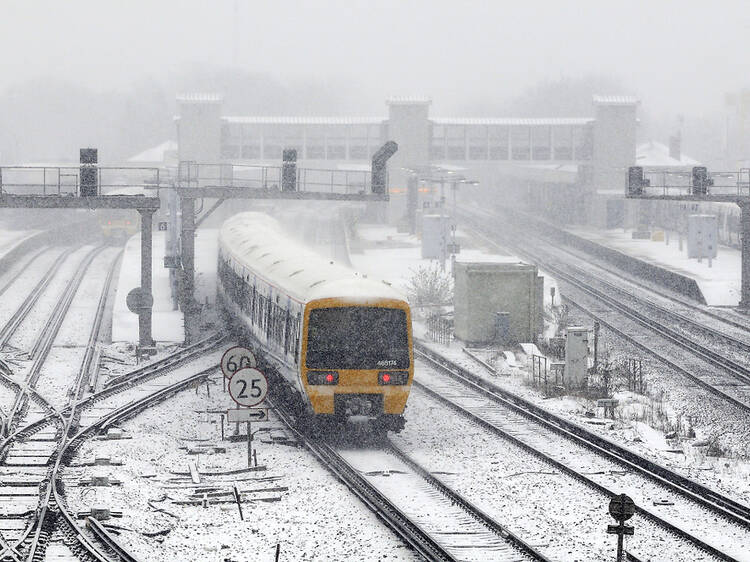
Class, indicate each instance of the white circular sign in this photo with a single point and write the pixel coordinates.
(236, 358)
(248, 387)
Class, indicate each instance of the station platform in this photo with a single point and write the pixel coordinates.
(12, 242)
(718, 282)
(167, 321)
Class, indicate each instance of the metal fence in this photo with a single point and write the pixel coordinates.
(197, 174)
(440, 329)
(679, 182)
(65, 180)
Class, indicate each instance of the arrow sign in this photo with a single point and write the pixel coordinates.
(248, 415)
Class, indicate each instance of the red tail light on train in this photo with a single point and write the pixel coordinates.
(393, 378)
(322, 377)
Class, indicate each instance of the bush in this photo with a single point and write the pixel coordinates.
(429, 286)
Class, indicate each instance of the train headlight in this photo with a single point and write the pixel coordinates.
(322, 377)
(393, 378)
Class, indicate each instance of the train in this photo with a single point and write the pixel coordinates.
(339, 344)
(119, 224)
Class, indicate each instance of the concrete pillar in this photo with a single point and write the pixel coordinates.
(745, 283)
(144, 317)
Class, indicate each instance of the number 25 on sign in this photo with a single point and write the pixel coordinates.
(248, 387)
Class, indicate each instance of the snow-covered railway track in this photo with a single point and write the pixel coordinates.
(28, 454)
(11, 325)
(669, 502)
(720, 376)
(130, 394)
(435, 521)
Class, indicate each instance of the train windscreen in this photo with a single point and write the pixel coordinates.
(357, 337)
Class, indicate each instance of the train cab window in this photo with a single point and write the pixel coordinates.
(357, 337)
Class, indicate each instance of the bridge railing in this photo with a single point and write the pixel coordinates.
(199, 174)
(65, 180)
(679, 182)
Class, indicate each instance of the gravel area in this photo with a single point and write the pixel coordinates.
(317, 518)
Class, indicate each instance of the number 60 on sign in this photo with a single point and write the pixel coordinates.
(248, 387)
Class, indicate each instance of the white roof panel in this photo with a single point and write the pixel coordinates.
(616, 100)
(298, 120)
(258, 244)
(512, 120)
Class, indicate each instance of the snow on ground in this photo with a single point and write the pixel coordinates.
(719, 283)
(548, 509)
(728, 475)
(317, 518)
(9, 239)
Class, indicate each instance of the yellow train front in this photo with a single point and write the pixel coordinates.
(119, 224)
(340, 345)
(357, 358)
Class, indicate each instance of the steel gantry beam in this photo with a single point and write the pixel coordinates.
(146, 206)
(220, 182)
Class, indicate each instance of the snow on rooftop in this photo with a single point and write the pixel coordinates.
(200, 97)
(616, 100)
(512, 120)
(300, 120)
(656, 154)
(408, 100)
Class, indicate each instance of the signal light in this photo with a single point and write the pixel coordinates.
(109, 222)
(127, 222)
(391, 378)
(322, 377)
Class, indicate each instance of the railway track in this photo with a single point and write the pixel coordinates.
(12, 324)
(66, 429)
(428, 515)
(584, 455)
(709, 369)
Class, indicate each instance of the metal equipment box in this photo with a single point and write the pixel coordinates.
(435, 231)
(497, 285)
(576, 356)
(703, 236)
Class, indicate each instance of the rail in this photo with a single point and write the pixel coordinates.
(597, 444)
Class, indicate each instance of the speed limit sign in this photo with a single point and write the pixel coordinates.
(248, 387)
(236, 358)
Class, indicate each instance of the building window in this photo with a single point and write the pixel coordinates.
(251, 152)
(520, 136)
(272, 150)
(477, 136)
(540, 143)
(230, 151)
(336, 151)
(582, 142)
(316, 151)
(358, 152)
(498, 139)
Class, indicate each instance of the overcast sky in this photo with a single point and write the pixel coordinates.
(680, 56)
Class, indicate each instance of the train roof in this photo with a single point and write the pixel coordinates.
(258, 243)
